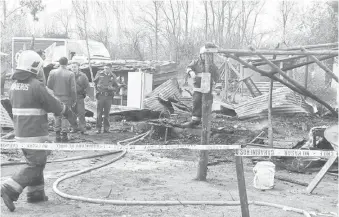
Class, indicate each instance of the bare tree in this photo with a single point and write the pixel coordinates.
(64, 16)
(34, 6)
(152, 21)
(173, 25)
(81, 11)
(185, 6)
(206, 20)
(285, 8)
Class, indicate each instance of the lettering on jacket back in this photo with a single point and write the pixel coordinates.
(20, 86)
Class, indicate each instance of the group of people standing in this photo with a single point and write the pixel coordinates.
(71, 87)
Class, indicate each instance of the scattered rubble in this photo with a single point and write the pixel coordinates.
(285, 102)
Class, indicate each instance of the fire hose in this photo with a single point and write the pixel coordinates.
(145, 203)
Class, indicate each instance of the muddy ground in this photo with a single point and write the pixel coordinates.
(169, 175)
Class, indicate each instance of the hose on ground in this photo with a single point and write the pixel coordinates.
(154, 203)
(81, 157)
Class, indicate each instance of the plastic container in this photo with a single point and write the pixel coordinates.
(264, 175)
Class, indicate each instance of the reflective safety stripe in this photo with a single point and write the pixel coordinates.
(31, 189)
(40, 139)
(28, 111)
(16, 186)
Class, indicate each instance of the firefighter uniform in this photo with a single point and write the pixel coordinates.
(82, 84)
(31, 101)
(106, 84)
(62, 82)
(197, 66)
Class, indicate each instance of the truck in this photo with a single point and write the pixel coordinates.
(55, 48)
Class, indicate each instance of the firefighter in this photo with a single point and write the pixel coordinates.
(62, 82)
(105, 84)
(31, 101)
(82, 85)
(196, 67)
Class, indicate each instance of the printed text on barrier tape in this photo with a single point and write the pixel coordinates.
(107, 147)
(284, 152)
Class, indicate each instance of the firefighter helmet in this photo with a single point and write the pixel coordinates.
(207, 45)
(30, 61)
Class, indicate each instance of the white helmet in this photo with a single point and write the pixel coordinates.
(29, 61)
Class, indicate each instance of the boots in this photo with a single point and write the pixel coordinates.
(57, 136)
(9, 195)
(36, 196)
(64, 137)
(191, 124)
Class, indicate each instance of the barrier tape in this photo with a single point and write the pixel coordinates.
(108, 147)
(284, 152)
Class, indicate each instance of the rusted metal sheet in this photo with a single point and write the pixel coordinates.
(168, 89)
(284, 102)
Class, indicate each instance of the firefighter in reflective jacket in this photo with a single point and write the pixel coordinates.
(194, 69)
(31, 101)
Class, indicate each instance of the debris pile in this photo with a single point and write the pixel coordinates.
(284, 101)
(168, 90)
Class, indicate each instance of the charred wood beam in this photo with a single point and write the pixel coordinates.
(313, 46)
(265, 73)
(270, 75)
(277, 60)
(294, 58)
(295, 83)
(239, 52)
(306, 63)
(321, 65)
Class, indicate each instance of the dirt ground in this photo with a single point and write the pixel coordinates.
(169, 175)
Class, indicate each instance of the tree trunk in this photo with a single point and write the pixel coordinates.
(87, 46)
(206, 21)
(156, 6)
(328, 77)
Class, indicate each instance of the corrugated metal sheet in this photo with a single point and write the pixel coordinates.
(168, 89)
(6, 120)
(284, 102)
(263, 87)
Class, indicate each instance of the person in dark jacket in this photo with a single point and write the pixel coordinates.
(62, 82)
(31, 101)
(82, 84)
(105, 84)
(194, 69)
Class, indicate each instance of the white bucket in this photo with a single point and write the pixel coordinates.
(264, 175)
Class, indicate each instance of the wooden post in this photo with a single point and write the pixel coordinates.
(207, 100)
(241, 69)
(321, 65)
(321, 174)
(227, 69)
(270, 127)
(242, 186)
(306, 75)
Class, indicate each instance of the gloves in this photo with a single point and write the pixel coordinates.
(191, 73)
